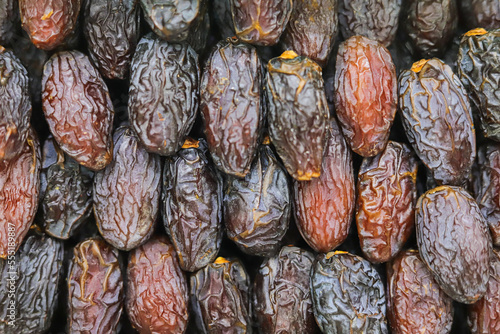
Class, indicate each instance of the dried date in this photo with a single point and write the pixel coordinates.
(480, 13)
(8, 17)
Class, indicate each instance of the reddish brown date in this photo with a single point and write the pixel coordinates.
(414, 299)
(78, 108)
(95, 287)
(49, 22)
(324, 206)
(387, 192)
(157, 292)
(365, 94)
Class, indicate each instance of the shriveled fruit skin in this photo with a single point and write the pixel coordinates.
(232, 105)
(15, 105)
(31, 279)
(478, 67)
(484, 317)
(282, 289)
(480, 13)
(8, 17)
(78, 109)
(223, 17)
(257, 208)
(95, 287)
(348, 295)
(67, 191)
(260, 22)
(298, 114)
(414, 299)
(192, 206)
(324, 206)
(430, 25)
(365, 94)
(219, 298)
(163, 93)
(376, 19)
(387, 193)
(111, 29)
(127, 193)
(19, 192)
(49, 22)
(437, 118)
(312, 29)
(157, 291)
(447, 220)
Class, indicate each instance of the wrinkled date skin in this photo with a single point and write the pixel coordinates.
(231, 105)
(19, 192)
(78, 108)
(163, 93)
(282, 295)
(365, 94)
(484, 315)
(437, 118)
(376, 19)
(38, 266)
(15, 105)
(414, 299)
(192, 205)
(260, 22)
(480, 13)
(67, 191)
(112, 31)
(8, 18)
(430, 25)
(312, 29)
(127, 193)
(157, 291)
(324, 206)
(95, 286)
(387, 193)
(298, 113)
(348, 295)
(257, 208)
(478, 67)
(447, 219)
(219, 299)
(49, 22)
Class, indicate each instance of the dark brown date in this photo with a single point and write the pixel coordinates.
(157, 292)
(231, 105)
(192, 205)
(447, 219)
(437, 118)
(8, 17)
(163, 93)
(95, 287)
(298, 113)
(480, 13)
(365, 94)
(324, 206)
(387, 193)
(282, 296)
(414, 300)
(127, 193)
(78, 108)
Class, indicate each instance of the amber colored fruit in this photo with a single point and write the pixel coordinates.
(298, 114)
(387, 193)
(95, 287)
(312, 29)
(232, 105)
(127, 193)
(480, 13)
(447, 220)
(365, 94)
(19, 191)
(414, 299)
(437, 118)
(324, 206)
(157, 291)
(260, 22)
(483, 317)
(49, 22)
(78, 108)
